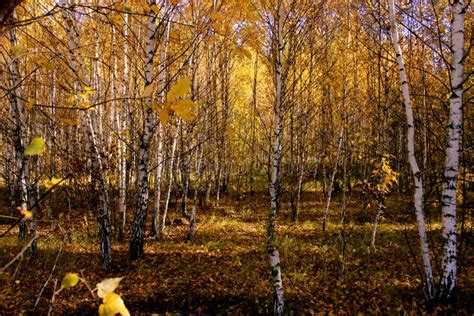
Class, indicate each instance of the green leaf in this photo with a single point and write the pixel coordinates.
(36, 147)
(70, 280)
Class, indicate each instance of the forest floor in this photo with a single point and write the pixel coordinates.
(226, 270)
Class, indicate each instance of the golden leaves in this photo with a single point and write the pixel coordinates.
(112, 303)
(85, 105)
(155, 9)
(107, 286)
(69, 121)
(123, 8)
(83, 98)
(36, 147)
(180, 89)
(88, 89)
(23, 211)
(164, 116)
(148, 91)
(29, 105)
(19, 50)
(184, 109)
(48, 184)
(242, 53)
(70, 280)
(183, 105)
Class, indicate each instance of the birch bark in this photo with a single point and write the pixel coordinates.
(159, 154)
(122, 126)
(417, 178)
(19, 135)
(138, 230)
(275, 193)
(448, 196)
(90, 138)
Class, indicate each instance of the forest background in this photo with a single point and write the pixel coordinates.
(224, 156)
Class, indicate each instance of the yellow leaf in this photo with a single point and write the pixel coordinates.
(88, 89)
(148, 90)
(183, 105)
(107, 286)
(48, 184)
(187, 115)
(27, 214)
(155, 9)
(175, 36)
(70, 280)
(30, 104)
(124, 8)
(157, 106)
(113, 305)
(164, 116)
(23, 211)
(83, 96)
(181, 88)
(19, 50)
(243, 53)
(146, 8)
(85, 105)
(68, 121)
(36, 147)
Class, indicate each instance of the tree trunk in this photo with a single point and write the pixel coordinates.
(275, 190)
(159, 155)
(331, 180)
(417, 178)
(138, 230)
(121, 145)
(91, 141)
(170, 179)
(19, 137)
(449, 267)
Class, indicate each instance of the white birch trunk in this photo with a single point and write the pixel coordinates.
(192, 219)
(331, 180)
(449, 267)
(19, 136)
(170, 179)
(278, 303)
(136, 244)
(121, 146)
(417, 178)
(159, 153)
(91, 140)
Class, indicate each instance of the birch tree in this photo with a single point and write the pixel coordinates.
(92, 144)
(17, 111)
(138, 230)
(417, 176)
(448, 195)
(278, 46)
(121, 128)
(159, 150)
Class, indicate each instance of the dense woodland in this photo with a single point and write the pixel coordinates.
(236, 157)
